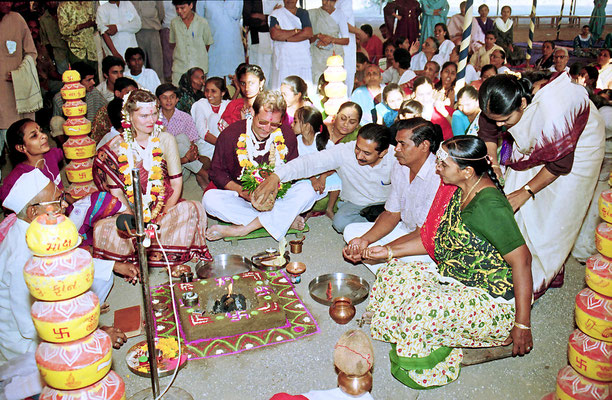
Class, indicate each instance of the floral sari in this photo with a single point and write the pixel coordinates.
(182, 228)
(429, 313)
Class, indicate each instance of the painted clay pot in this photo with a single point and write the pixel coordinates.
(605, 205)
(79, 171)
(355, 385)
(66, 320)
(573, 386)
(598, 274)
(79, 190)
(71, 91)
(79, 147)
(71, 75)
(49, 235)
(74, 108)
(59, 277)
(342, 310)
(77, 126)
(335, 74)
(594, 314)
(111, 387)
(75, 365)
(591, 357)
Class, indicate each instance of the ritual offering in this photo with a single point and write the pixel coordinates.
(77, 126)
(111, 387)
(591, 357)
(603, 239)
(59, 277)
(605, 205)
(228, 306)
(272, 260)
(66, 320)
(594, 314)
(354, 358)
(295, 270)
(326, 287)
(80, 171)
(598, 274)
(49, 235)
(137, 357)
(573, 386)
(296, 245)
(336, 89)
(76, 364)
(342, 310)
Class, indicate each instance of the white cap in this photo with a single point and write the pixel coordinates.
(28, 186)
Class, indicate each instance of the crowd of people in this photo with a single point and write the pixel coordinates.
(452, 196)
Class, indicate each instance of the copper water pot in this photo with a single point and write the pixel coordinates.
(342, 310)
(355, 385)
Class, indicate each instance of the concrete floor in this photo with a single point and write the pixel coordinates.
(306, 364)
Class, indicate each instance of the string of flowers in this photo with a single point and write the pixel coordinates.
(155, 190)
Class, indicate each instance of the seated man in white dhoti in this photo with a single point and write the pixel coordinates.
(414, 184)
(250, 143)
(32, 195)
(364, 166)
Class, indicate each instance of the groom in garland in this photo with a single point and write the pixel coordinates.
(245, 146)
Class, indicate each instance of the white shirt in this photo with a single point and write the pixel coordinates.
(390, 75)
(417, 63)
(128, 23)
(147, 79)
(413, 199)
(18, 335)
(407, 76)
(553, 69)
(107, 94)
(471, 74)
(362, 185)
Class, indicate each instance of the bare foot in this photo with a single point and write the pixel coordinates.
(298, 223)
(104, 308)
(118, 338)
(217, 232)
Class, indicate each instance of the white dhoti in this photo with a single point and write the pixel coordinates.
(550, 223)
(228, 206)
(359, 229)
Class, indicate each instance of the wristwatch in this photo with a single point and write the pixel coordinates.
(528, 189)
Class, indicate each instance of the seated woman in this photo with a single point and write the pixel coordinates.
(546, 61)
(465, 118)
(145, 145)
(433, 109)
(252, 81)
(385, 112)
(207, 112)
(478, 292)
(445, 87)
(584, 43)
(190, 88)
(294, 91)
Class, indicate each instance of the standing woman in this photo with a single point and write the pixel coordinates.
(434, 12)
(252, 80)
(480, 26)
(144, 144)
(552, 164)
(442, 36)
(330, 35)
(227, 50)
(290, 30)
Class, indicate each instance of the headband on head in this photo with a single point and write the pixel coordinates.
(442, 155)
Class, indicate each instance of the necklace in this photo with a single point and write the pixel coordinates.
(471, 189)
(247, 147)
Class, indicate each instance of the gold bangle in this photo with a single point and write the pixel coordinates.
(521, 326)
(389, 253)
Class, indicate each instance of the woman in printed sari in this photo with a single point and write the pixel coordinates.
(190, 88)
(145, 145)
(330, 35)
(552, 153)
(478, 292)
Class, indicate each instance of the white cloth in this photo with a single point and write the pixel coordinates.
(107, 94)
(228, 206)
(350, 51)
(551, 222)
(406, 77)
(605, 77)
(390, 75)
(128, 23)
(25, 189)
(147, 79)
(169, 13)
(18, 335)
(206, 120)
(478, 36)
(333, 181)
(417, 63)
(362, 185)
(503, 26)
(413, 199)
(335, 394)
(289, 58)
(20, 377)
(359, 229)
(107, 138)
(183, 143)
(445, 49)
(553, 69)
(227, 51)
(261, 53)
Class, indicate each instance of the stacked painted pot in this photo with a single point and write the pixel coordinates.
(74, 358)
(589, 375)
(79, 147)
(336, 89)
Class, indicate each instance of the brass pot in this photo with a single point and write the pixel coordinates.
(355, 385)
(296, 246)
(342, 310)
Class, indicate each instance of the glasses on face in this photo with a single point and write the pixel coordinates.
(274, 125)
(56, 204)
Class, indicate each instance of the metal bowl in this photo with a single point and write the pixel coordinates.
(342, 285)
(223, 265)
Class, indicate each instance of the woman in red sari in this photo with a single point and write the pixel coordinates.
(181, 224)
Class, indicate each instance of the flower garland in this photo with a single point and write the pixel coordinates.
(152, 157)
(254, 173)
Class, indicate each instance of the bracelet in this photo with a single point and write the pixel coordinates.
(528, 189)
(521, 326)
(389, 253)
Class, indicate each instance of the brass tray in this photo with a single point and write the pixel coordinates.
(223, 265)
(347, 285)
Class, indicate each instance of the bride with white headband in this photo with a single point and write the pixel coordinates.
(145, 144)
(478, 292)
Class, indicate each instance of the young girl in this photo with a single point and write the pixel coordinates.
(314, 136)
(206, 113)
(410, 109)
(433, 110)
(446, 85)
(443, 37)
(386, 112)
(465, 118)
(252, 81)
(294, 91)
